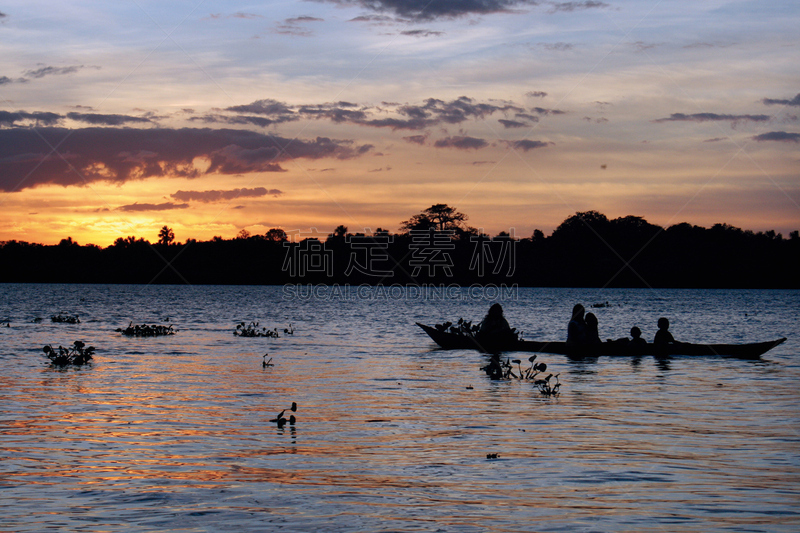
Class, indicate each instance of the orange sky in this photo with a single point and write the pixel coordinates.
(315, 114)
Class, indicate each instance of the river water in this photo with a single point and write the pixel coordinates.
(392, 434)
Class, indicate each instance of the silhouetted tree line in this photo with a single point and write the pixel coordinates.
(435, 246)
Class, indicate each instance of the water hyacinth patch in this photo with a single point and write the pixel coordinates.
(62, 318)
(146, 330)
(251, 330)
(79, 354)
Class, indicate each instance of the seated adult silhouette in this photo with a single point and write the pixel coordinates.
(576, 329)
(494, 327)
(592, 336)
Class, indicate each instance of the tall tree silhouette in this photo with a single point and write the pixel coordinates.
(439, 217)
(166, 236)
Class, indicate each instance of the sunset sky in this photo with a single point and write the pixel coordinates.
(117, 118)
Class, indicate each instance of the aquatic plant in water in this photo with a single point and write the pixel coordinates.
(282, 421)
(467, 328)
(251, 330)
(500, 369)
(65, 319)
(463, 327)
(146, 330)
(77, 355)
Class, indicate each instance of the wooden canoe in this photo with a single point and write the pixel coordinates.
(449, 340)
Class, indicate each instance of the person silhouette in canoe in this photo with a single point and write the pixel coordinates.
(494, 327)
(637, 343)
(592, 335)
(576, 329)
(663, 336)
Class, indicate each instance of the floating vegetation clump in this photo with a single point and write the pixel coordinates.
(462, 327)
(65, 319)
(146, 330)
(77, 355)
(500, 369)
(251, 330)
(467, 328)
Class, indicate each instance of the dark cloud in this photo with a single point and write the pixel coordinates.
(152, 207)
(512, 123)
(374, 19)
(291, 26)
(419, 10)
(780, 136)
(398, 123)
(596, 120)
(106, 120)
(431, 112)
(5, 79)
(455, 111)
(712, 117)
(536, 94)
(793, 102)
(9, 118)
(422, 33)
(263, 107)
(304, 18)
(575, 6)
(50, 71)
(543, 111)
(526, 116)
(119, 155)
(416, 139)
(297, 31)
(714, 140)
(216, 196)
(334, 112)
(526, 145)
(262, 122)
(461, 142)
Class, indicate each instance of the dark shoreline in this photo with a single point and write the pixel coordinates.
(622, 253)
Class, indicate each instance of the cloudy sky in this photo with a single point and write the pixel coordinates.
(211, 117)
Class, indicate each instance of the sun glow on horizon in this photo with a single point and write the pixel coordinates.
(518, 120)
